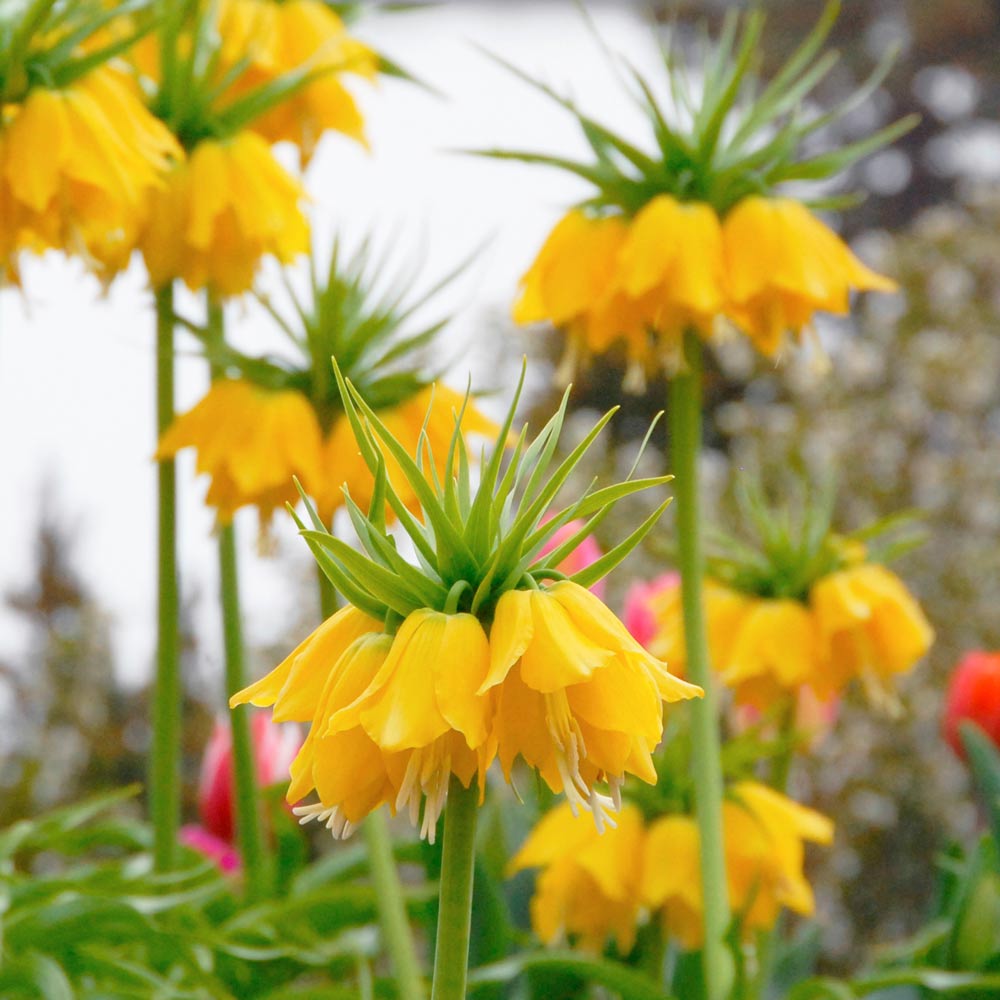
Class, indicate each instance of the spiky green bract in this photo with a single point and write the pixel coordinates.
(475, 541)
(44, 42)
(194, 95)
(791, 546)
(351, 312)
(741, 136)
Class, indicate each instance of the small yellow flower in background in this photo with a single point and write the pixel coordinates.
(77, 167)
(224, 209)
(253, 433)
(281, 36)
(643, 281)
(486, 648)
(871, 627)
(251, 442)
(691, 229)
(806, 610)
(591, 884)
(782, 266)
(577, 697)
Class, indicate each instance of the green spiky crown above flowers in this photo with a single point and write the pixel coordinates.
(742, 138)
(51, 42)
(347, 314)
(476, 542)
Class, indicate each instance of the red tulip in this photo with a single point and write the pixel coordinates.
(973, 694)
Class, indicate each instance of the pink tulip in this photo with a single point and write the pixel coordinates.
(274, 749)
(639, 616)
(220, 851)
(584, 555)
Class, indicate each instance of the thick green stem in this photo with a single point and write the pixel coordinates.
(165, 766)
(451, 955)
(685, 433)
(396, 932)
(249, 825)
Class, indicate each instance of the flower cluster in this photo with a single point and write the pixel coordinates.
(484, 652)
(79, 153)
(694, 232)
(594, 887)
(270, 423)
(800, 614)
(767, 266)
(281, 37)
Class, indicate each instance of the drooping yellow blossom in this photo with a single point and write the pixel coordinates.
(724, 609)
(783, 265)
(577, 697)
(857, 622)
(77, 168)
(764, 834)
(280, 36)
(590, 887)
(392, 717)
(252, 441)
(773, 650)
(642, 280)
(870, 627)
(222, 211)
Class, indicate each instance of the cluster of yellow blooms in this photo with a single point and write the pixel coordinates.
(88, 169)
(594, 887)
(767, 266)
(253, 441)
(859, 622)
(555, 679)
(77, 167)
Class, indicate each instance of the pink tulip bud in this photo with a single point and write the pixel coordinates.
(973, 695)
(215, 849)
(274, 749)
(639, 616)
(584, 555)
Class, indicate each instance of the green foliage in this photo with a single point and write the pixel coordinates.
(353, 312)
(474, 543)
(83, 915)
(743, 137)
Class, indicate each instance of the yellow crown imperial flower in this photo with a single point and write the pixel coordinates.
(77, 166)
(278, 36)
(577, 697)
(276, 421)
(808, 609)
(691, 229)
(870, 626)
(593, 885)
(224, 209)
(481, 653)
(590, 886)
(764, 834)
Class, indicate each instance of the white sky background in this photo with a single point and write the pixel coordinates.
(76, 370)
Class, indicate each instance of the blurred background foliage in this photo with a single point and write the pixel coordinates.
(908, 416)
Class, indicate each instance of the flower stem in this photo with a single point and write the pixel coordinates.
(165, 766)
(685, 435)
(249, 828)
(396, 931)
(451, 954)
